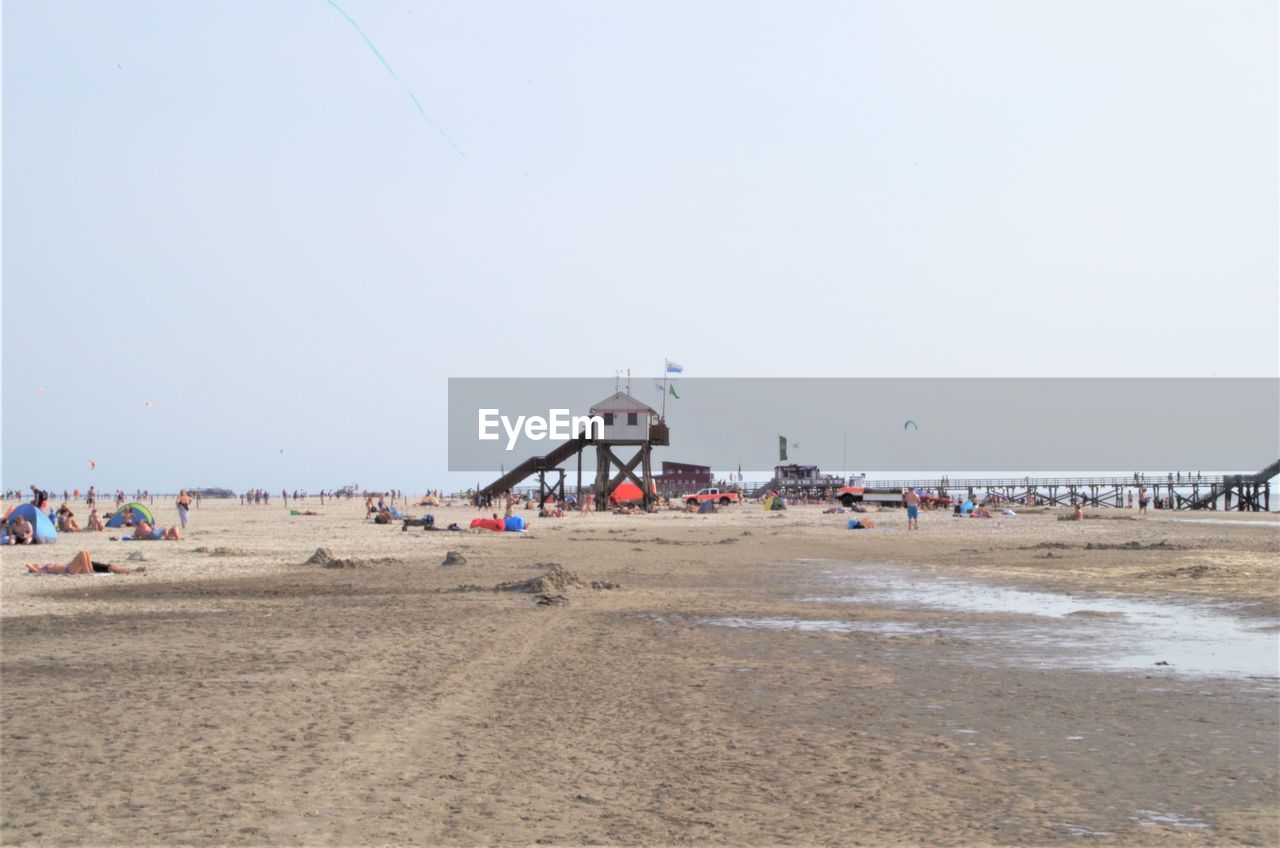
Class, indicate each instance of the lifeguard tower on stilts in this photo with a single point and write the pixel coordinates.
(628, 423)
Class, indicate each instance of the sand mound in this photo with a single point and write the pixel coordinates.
(137, 556)
(320, 557)
(1193, 571)
(347, 563)
(454, 558)
(554, 581)
(325, 558)
(223, 552)
(553, 584)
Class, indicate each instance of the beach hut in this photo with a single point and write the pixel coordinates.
(626, 420)
(139, 511)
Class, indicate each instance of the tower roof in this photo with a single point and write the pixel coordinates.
(622, 402)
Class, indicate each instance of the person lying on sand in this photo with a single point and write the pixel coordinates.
(144, 532)
(82, 563)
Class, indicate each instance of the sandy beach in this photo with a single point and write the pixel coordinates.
(739, 678)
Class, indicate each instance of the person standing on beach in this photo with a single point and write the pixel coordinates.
(912, 499)
(184, 505)
(1142, 502)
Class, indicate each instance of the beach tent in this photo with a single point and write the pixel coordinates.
(705, 507)
(515, 524)
(45, 532)
(489, 524)
(627, 492)
(139, 511)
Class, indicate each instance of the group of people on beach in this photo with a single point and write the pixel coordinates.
(18, 530)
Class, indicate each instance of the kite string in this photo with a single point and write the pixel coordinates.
(396, 77)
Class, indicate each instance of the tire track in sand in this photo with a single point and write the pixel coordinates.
(419, 767)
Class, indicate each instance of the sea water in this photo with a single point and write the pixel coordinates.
(1045, 628)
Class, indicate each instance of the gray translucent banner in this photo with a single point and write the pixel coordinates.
(927, 424)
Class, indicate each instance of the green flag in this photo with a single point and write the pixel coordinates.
(782, 449)
(672, 387)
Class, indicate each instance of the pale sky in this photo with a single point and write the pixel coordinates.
(234, 212)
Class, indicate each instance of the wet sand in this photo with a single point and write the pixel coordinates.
(235, 695)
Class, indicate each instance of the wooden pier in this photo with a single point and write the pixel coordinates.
(1172, 490)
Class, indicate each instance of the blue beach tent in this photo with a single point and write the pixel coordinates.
(46, 533)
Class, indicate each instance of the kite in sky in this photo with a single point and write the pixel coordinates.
(910, 425)
(412, 97)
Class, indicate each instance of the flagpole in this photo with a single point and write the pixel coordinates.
(664, 389)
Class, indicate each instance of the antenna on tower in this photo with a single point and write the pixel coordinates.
(617, 379)
(628, 381)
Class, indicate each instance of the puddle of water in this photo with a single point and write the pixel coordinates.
(1081, 830)
(1154, 817)
(887, 628)
(1103, 632)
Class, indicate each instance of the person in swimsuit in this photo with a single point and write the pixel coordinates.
(912, 500)
(67, 520)
(21, 532)
(82, 563)
(184, 504)
(95, 520)
(144, 532)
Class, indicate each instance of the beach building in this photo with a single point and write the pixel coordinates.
(677, 478)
